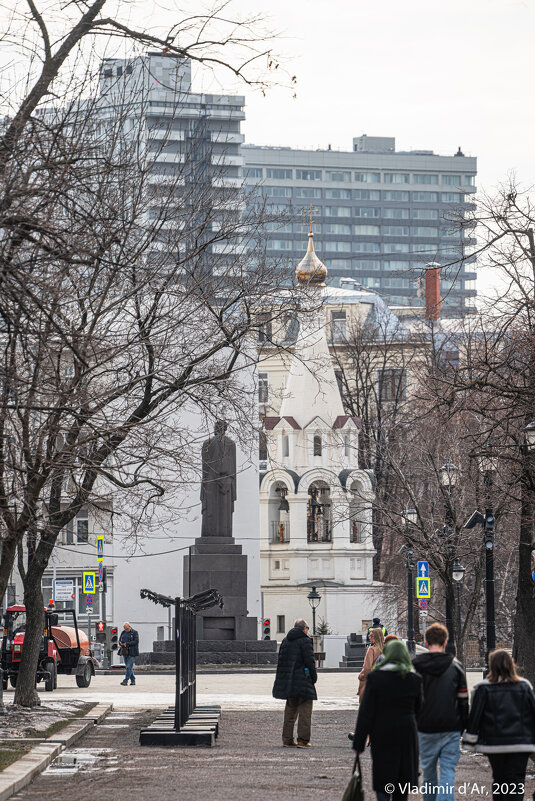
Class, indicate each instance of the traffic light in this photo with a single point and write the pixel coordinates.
(266, 629)
(114, 638)
(101, 631)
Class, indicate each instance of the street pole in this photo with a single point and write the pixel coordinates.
(489, 585)
(410, 607)
(313, 620)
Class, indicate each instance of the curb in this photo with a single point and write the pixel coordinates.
(25, 769)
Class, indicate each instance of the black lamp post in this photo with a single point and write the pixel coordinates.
(487, 465)
(448, 479)
(458, 575)
(314, 599)
(410, 516)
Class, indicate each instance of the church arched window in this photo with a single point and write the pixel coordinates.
(317, 445)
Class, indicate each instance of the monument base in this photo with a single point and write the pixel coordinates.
(218, 562)
(216, 652)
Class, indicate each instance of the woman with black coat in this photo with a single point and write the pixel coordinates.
(502, 725)
(387, 714)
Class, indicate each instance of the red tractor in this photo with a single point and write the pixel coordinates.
(64, 649)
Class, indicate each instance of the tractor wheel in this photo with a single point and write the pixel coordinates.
(13, 681)
(84, 679)
(50, 681)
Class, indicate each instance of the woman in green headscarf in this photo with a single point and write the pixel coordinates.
(387, 714)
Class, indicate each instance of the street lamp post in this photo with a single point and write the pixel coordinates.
(458, 575)
(487, 465)
(410, 516)
(314, 599)
(448, 479)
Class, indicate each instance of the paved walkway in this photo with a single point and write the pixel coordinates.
(246, 691)
(247, 762)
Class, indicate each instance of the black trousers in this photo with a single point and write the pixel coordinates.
(508, 770)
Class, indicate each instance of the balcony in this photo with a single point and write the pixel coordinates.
(280, 532)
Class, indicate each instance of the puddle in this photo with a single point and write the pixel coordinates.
(71, 762)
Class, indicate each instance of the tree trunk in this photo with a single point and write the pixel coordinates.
(25, 692)
(9, 550)
(524, 624)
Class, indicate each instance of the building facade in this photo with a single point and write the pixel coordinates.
(380, 214)
(315, 502)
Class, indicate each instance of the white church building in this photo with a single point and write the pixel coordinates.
(315, 502)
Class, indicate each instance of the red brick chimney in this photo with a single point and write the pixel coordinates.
(432, 291)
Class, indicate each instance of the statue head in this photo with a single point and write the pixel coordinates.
(220, 428)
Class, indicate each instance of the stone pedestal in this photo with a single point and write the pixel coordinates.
(355, 651)
(218, 563)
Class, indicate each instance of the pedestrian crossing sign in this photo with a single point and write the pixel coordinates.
(423, 587)
(89, 582)
(100, 548)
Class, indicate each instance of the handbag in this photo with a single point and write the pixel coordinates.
(354, 790)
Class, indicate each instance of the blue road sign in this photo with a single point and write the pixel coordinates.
(100, 548)
(533, 576)
(423, 569)
(89, 601)
(89, 583)
(423, 587)
(422, 603)
(100, 571)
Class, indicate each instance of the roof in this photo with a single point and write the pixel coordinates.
(271, 422)
(342, 419)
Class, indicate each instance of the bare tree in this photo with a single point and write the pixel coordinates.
(126, 298)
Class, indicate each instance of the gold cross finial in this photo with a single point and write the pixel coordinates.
(310, 209)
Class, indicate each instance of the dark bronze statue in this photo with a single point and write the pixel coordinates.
(218, 487)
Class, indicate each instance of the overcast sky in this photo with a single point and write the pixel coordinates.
(434, 75)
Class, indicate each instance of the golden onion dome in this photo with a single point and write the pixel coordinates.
(310, 269)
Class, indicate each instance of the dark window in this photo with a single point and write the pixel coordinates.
(265, 329)
(82, 526)
(281, 624)
(129, 69)
(392, 385)
(108, 73)
(317, 445)
(119, 71)
(263, 387)
(262, 447)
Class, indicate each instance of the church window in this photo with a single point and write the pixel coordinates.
(281, 624)
(285, 446)
(317, 445)
(347, 445)
(262, 447)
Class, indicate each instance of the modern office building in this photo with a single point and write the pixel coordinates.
(379, 214)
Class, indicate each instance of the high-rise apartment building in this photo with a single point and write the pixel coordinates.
(189, 138)
(379, 214)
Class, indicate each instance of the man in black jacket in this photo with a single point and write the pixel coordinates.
(443, 715)
(294, 682)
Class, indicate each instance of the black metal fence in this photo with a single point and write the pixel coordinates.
(186, 646)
